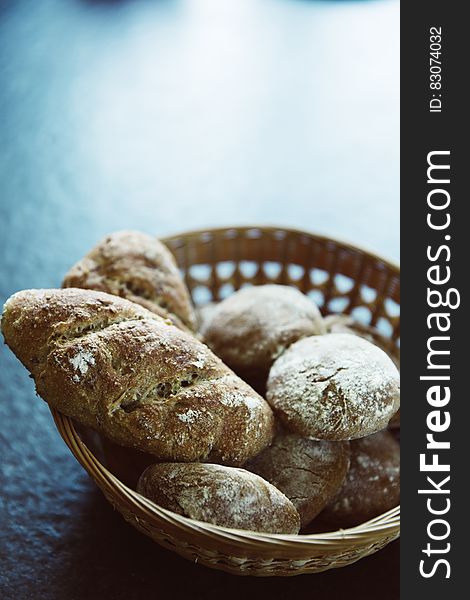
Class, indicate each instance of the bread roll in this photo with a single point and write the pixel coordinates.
(219, 495)
(371, 487)
(308, 472)
(138, 267)
(251, 328)
(121, 369)
(338, 323)
(334, 387)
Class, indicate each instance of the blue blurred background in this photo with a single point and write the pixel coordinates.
(168, 115)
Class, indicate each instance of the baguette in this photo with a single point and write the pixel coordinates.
(138, 267)
(126, 372)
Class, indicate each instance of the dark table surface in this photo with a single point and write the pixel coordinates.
(166, 115)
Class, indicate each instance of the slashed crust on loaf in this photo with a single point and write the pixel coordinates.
(138, 267)
(253, 326)
(308, 472)
(135, 377)
(334, 387)
(220, 495)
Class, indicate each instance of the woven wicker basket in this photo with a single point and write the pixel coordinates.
(341, 278)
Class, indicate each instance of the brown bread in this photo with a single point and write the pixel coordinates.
(138, 267)
(334, 387)
(371, 487)
(308, 472)
(253, 326)
(220, 495)
(136, 378)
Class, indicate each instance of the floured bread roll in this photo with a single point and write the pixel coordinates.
(133, 376)
(338, 323)
(251, 328)
(138, 267)
(334, 387)
(371, 487)
(219, 495)
(308, 472)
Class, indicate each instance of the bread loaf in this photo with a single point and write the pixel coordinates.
(308, 472)
(371, 487)
(252, 327)
(334, 387)
(138, 379)
(219, 495)
(138, 267)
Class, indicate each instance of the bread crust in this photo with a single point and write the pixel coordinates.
(220, 495)
(334, 387)
(253, 326)
(138, 267)
(371, 487)
(126, 372)
(308, 472)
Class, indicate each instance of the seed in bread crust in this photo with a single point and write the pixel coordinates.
(136, 266)
(116, 367)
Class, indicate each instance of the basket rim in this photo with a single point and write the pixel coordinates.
(387, 523)
(395, 266)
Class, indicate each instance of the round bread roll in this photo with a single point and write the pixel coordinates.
(308, 472)
(251, 328)
(338, 323)
(371, 487)
(334, 387)
(219, 495)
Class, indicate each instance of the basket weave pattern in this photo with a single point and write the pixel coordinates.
(340, 278)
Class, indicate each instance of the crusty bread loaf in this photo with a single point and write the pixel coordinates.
(123, 370)
(308, 472)
(371, 487)
(334, 387)
(220, 495)
(138, 267)
(253, 326)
